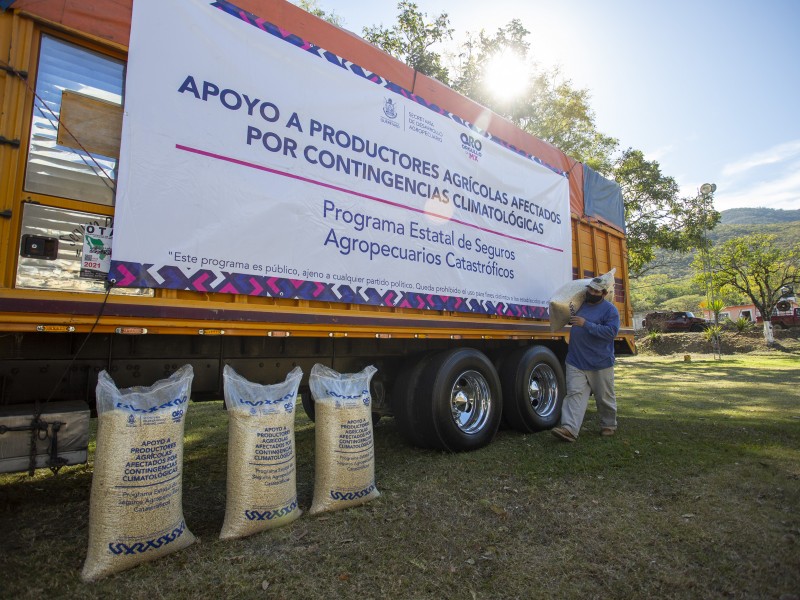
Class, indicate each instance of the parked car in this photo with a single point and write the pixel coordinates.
(671, 321)
(785, 319)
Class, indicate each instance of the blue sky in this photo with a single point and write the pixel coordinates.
(708, 88)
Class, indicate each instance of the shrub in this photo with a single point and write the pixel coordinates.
(743, 324)
(654, 335)
(713, 332)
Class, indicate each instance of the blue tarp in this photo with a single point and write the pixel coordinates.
(4, 4)
(603, 198)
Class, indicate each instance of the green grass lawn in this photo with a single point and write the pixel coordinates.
(698, 496)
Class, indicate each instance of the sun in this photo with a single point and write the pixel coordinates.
(506, 74)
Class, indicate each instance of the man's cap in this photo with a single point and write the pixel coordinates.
(597, 284)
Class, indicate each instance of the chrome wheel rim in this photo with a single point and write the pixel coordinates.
(543, 390)
(470, 401)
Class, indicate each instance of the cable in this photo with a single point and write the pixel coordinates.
(38, 427)
(37, 424)
(572, 167)
(109, 284)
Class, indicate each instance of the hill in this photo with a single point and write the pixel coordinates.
(668, 283)
(758, 216)
(736, 222)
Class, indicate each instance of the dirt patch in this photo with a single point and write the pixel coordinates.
(731, 342)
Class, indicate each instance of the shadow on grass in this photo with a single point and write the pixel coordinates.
(729, 370)
(439, 511)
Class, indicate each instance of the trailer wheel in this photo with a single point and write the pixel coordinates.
(308, 402)
(403, 401)
(533, 388)
(458, 400)
(377, 392)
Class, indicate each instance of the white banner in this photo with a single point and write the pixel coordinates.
(255, 163)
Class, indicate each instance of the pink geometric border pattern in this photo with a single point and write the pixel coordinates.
(133, 274)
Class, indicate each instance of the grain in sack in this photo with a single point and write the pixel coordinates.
(262, 489)
(344, 473)
(570, 296)
(135, 507)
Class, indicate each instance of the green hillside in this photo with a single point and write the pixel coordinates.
(676, 264)
(758, 216)
(667, 285)
(788, 233)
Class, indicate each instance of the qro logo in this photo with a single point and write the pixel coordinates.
(471, 145)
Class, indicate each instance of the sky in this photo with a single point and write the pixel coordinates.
(708, 88)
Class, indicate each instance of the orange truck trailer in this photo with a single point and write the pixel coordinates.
(214, 183)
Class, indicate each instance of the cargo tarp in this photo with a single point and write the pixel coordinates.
(603, 198)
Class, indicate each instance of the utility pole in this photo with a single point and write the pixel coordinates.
(706, 191)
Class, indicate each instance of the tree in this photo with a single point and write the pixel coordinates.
(716, 306)
(475, 59)
(756, 266)
(655, 214)
(561, 115)
(661, 292)
(550, 108)
(555, 111)
(690, 302)
(411, 39)
(312, 6)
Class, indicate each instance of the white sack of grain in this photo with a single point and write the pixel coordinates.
(569, 298)
(344, 471)
(262, 488)
(135, 508)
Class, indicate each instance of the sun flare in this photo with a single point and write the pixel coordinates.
(506, 74)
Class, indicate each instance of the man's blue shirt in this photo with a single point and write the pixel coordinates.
(591, 347)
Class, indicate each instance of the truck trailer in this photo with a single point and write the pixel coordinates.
(213, 184)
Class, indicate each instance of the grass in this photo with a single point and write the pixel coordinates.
(696, 497)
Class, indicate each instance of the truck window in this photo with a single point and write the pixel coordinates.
(79, 167)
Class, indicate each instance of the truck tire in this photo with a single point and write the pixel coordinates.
(308, 402)
(533, 389)
(696, 328)
(458, 401)
(403, 402)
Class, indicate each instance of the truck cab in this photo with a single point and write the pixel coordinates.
(786, 319)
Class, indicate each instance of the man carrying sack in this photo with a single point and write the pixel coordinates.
(590, 364)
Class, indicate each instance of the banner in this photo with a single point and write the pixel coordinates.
(253, 162)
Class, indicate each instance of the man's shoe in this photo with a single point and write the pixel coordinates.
(563, 433)
(607, 431)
